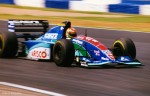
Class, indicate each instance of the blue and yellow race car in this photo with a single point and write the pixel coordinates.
(24, 39)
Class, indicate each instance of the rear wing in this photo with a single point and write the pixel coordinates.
(28, 25)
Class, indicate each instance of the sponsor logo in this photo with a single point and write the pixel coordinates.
(13, 23)
(109, 54)
(124, 59)
(103, 58)
(97, 52)
(91, 39)
(39, 53)
(22, 21)
(77, 41)
(51, 35)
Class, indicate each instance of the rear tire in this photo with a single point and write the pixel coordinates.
(63, 53)
(8, 45)
(124, 47)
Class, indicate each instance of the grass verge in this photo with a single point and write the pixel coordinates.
(120, 21)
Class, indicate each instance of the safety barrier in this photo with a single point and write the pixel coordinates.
(121, 6)
(131, 7)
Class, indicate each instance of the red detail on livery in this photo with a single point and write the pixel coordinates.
(39, 54)
(44, 54)
(93, 41)
(98, 45)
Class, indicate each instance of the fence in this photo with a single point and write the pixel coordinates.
(121, 6)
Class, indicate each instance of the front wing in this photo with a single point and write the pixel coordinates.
(119, 62)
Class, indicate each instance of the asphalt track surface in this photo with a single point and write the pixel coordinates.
(75, 81)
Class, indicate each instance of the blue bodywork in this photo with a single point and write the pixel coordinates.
(88, 51)
(93, 53)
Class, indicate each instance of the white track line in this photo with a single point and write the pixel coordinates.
(32, 89)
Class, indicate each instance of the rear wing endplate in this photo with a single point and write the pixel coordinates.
(28, 25)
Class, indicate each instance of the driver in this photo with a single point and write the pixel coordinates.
(71, 33)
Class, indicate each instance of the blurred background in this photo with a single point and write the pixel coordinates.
(120, 6)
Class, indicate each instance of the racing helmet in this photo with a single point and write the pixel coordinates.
(71, 32)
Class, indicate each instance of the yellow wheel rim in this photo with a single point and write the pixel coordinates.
(1, 43)
(118, 41)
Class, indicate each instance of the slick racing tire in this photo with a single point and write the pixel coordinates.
(8, 45)
(63, 53)
(124, 47)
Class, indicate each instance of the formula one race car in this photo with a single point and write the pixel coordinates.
(53, 45)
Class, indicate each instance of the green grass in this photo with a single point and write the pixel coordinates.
(132, 19)
(129, 18)
(125, 22)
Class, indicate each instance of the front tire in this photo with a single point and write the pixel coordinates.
(124, 47)
(8, 45)
(63, 53)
